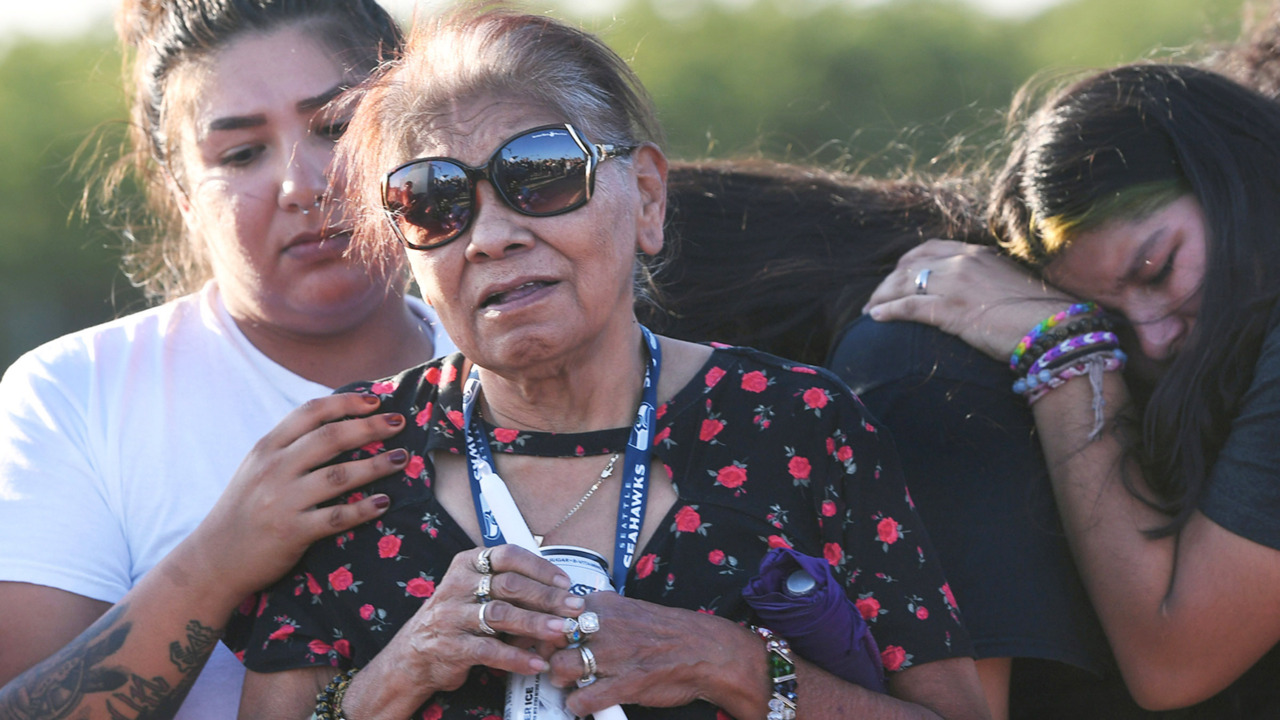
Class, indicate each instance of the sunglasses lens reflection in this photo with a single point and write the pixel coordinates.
(543, 172)
(431, 200)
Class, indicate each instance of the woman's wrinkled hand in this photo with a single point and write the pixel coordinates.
(268, 515)
(649, 654)
(527, 602)
(969, 291)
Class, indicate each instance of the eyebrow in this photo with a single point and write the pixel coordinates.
(304, 106)
(312, 104)
(1141, 257)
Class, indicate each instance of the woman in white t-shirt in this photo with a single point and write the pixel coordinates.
(127, 534)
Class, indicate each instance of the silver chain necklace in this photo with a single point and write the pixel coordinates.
(604, 475)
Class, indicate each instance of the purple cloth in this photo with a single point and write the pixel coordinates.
(822, 626)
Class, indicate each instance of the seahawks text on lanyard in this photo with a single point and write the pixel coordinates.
(635, 480)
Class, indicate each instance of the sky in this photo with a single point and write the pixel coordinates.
(71, 17)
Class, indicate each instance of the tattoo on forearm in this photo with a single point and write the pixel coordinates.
(143, 697)
(202, 639)
(57, 688)
(53, 689)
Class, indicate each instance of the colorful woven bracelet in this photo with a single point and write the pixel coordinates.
(1075, 356)
(1075, 371)
(782, 671)
(1109, 360)
(1048, 323)
(1072, 346)
(1032, 382)
(1077, 326)
(329, 701)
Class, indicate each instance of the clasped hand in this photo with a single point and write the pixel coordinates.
(650, 654)
(645, 653)
(502, 608)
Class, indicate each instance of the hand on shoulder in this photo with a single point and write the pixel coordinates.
(970, 291)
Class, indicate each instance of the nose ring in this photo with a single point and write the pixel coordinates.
(314, 203)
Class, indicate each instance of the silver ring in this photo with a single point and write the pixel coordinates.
(588, 666)
(482, 561)
(482, 590)
(588, 623)
(922, 282)
(484, 624)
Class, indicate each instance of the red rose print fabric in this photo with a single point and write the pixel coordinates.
(763, 453)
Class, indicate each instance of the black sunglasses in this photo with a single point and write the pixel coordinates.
(549, 170)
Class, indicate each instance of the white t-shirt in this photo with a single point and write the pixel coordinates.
(116, 441)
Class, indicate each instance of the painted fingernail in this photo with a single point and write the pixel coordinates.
(394, 419)
(370, 400)
(574, 602)
(382, 502)
(398, 456)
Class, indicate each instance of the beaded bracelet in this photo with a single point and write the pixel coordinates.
(1073, 346)
(1048, 323)
(1063, 354)
(329, 701)
(1036, 379)
(782, 671)
(1109, 361)
(1078, 326)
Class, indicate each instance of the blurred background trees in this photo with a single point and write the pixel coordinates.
(874, 88)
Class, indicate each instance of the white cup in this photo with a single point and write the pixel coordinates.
(533, 697)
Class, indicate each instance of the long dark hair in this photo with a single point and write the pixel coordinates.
(161, 36)
(780, 257)
(1110, 147)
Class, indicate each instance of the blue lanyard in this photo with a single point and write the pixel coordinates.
(635, 478)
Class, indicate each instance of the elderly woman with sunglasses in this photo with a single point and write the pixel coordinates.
(527, 186)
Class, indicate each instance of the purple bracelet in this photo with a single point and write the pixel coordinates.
(1071, 345)
(1112, 362)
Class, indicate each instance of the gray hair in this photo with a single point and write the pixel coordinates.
(489, 49)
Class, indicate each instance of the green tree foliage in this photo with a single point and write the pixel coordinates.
(875, 87)
(56, 273)
(1092, 33)
(822, 84)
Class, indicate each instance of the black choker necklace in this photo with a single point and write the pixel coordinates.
(549, 444)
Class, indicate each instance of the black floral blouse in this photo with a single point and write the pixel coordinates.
(762, 452)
